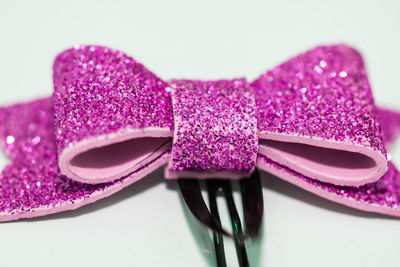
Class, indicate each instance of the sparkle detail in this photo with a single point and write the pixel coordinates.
(112, 91)
(100, 91)
(305, 97)
(215, 127)
(31, 183)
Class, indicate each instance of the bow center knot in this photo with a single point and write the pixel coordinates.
(215, 132)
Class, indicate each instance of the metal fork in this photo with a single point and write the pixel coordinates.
(252, 201)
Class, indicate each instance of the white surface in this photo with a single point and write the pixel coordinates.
(145, 224)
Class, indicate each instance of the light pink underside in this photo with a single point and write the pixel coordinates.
(338, 163)
(41, 211)
(350, 202)
(109, 157)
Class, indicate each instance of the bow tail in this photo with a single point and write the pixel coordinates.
(31, 184)
(382, 196)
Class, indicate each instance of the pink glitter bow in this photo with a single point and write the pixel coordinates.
(311, 121)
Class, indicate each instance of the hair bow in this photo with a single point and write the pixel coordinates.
(311, 121)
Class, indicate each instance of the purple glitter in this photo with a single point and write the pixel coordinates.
(323, 93)
(32, 181)
(385, 193)
(215, 128)
(390, 123)
(101, 91)
(31, 184)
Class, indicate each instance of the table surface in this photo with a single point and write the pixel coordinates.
(147, 223)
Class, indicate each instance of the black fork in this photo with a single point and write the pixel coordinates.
(252, 201)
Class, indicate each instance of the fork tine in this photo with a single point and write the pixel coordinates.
(191, 193)
(253, 203)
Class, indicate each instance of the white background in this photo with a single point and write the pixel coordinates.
(145, 224)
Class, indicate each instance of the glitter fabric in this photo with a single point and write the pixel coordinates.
(215, 129)
(390, 124)
(323, 98)
(30, 185)
(322, 93)
(382, 196)
(103, 94)
(94, 86)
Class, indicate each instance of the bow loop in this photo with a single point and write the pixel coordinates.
(317, 116)
(112, 115)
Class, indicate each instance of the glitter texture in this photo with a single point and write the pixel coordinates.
(215, 129)
(382, 196)
(390, 124)
(99, 91)
(30, 185)
(323, 93)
